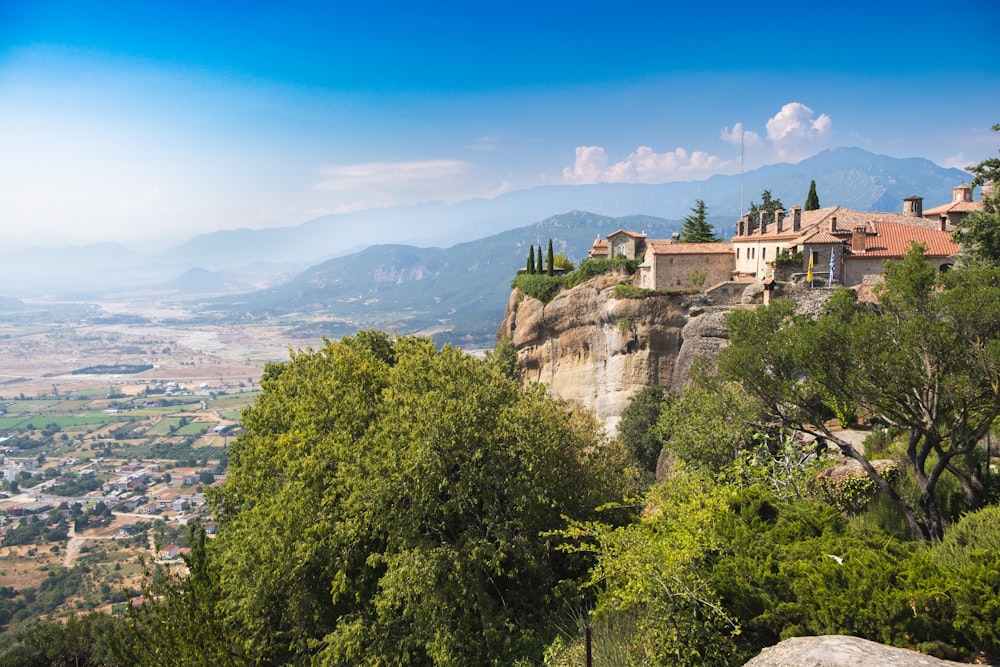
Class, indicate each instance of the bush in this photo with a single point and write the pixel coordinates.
(538, 285)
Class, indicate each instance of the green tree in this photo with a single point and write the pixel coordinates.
(768, 206)
(696, 229)
(979, 232)
(388, 503)
(926, 362)
(812, 199)
(550, 261)
(531, 260)
(638, 420)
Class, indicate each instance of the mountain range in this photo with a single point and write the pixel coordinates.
(434, 266)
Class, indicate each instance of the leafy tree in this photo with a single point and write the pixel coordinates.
(979, 232)
(388, 503)
(696, 229)
(638, 420)
(562, 262)
(768, 206)
(812, 199)
(504, 357)
(926, 362)
(550, 261)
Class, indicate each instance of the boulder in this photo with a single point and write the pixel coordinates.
(841, 651)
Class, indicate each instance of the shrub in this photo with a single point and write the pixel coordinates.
(538, 285)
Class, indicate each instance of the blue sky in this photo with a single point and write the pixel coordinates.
(122, 120)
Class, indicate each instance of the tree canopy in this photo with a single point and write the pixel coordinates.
(812, 199)
(389, 503)
(925, 361)
(768, 205)
(696, 228)
(979, 232)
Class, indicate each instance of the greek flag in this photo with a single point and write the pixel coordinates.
(833, 264)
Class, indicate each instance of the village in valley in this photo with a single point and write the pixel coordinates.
(113, 434)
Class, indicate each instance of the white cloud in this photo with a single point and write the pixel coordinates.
(795, 129)
(956, 161)
(643, 165)
(388, 175)
(739, 134)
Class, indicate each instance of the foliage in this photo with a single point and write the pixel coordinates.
(696, 229)
(710, 423)
(82, 641)
(812, 199)
(504, 357)
(562, 262)
(979, 232)
(594, 267)
(767, 206)
(698, 277)
(788, 259)
(636, 427)
(926, 362)
(531, 260)
(550, 263)
(386, 505)
(538, 285)
(626, 290)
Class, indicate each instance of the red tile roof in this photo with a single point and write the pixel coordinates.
(893, 239)
(668, 247)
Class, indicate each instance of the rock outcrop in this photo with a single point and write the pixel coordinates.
(841, 651)
(590, 347)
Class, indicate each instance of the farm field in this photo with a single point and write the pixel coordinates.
(114, 421)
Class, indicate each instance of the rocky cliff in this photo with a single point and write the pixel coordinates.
(590, 347)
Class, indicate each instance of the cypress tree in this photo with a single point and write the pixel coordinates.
(812, 199)
(549, 259)
(531, 260)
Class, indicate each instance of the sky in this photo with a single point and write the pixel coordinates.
(124, 120)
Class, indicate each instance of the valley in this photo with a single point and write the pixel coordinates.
(115, 418)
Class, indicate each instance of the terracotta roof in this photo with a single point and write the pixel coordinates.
(627, 232)
(847, 220)
(820, 236)
(668, 247)
(955, 206)
(893, 239)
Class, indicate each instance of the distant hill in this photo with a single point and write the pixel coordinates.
(246, 258)
(849, 177)
(457, 293)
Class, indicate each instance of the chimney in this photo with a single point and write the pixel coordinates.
(675, 237)
(833, 224)
(913, 206)
(763, 223)
(962, 193)
(858, 240)
(779, 220)
(796, 218)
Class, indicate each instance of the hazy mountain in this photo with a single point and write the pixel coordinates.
(849, 177)
(459, 292)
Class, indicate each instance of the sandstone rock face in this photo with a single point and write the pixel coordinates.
(840, 651)
(589, 347)
(592, 348)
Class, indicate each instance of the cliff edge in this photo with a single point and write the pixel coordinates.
(590, 347)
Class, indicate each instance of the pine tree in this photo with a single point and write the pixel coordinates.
(812, 199)
(768, 205)
(550, 260)
(696, 229)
